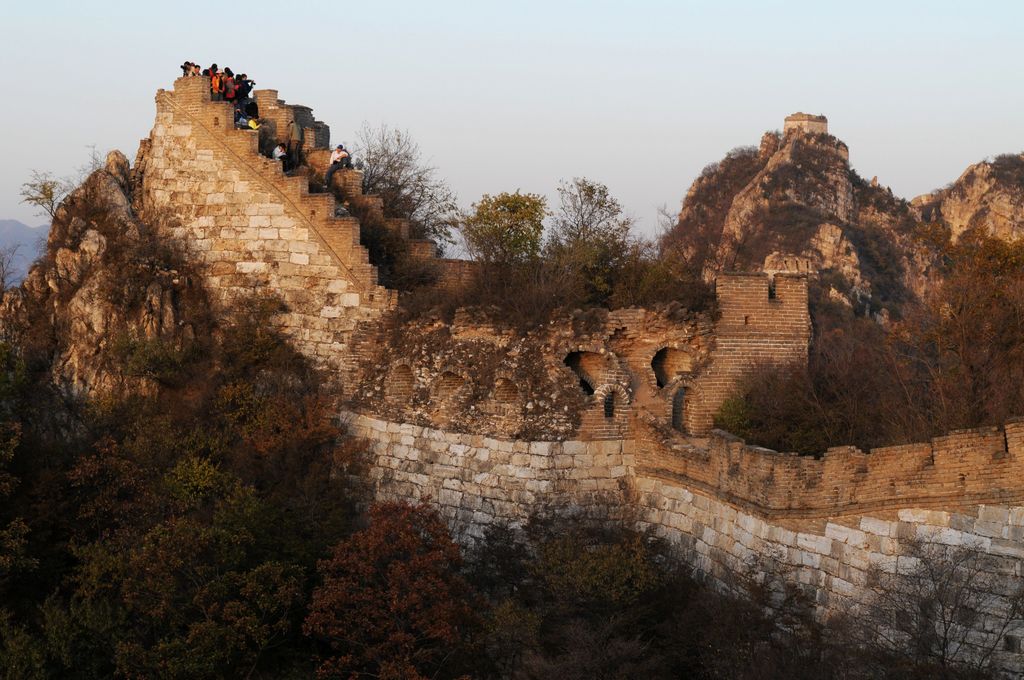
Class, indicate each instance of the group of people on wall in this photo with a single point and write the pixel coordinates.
(226, 86)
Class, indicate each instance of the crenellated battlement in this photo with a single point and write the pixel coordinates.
(957, 470)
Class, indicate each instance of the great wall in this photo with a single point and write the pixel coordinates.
(601, 417)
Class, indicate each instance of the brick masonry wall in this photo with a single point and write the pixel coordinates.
(476, 481)
(254, 228)
(957, 470)
(753, 330)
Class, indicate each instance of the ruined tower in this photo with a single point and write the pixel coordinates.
(806, 123)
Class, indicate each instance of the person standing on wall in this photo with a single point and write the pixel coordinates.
(295, 137)
(228, 85)
(215, 87)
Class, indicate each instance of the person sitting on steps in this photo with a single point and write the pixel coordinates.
(281, 154)
(340, 158)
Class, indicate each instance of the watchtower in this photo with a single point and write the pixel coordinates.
(806, 123)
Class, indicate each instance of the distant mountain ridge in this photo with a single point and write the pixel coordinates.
(27, 239)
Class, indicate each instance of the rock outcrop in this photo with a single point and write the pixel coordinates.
(795, 205)
(988, 196)
(104, 286)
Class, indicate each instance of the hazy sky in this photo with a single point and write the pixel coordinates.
(505, 96)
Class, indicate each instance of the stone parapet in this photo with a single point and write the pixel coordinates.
(958, 470)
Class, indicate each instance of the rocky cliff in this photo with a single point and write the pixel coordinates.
(105, 289)
(795, 204)
(988, 196)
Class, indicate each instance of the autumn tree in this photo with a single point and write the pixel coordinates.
(392, 603)
(395, 170)
(967, 339)
(45, 191)
(505, 229)
(589, 237)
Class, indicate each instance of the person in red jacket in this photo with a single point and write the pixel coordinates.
(228, 85)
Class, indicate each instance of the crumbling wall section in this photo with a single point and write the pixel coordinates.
(583, 376)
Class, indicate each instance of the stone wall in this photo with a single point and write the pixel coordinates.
(254, 228)
(476, 481)
(758, 326)
(725, 512)
(958, 470)
(839, 562)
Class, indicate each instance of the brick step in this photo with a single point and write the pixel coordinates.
(243, 142)
(399, 225)
(343, 244)
(422, 249)
(319, 207)
(371, 206)
(340, 234)
(351, 183)
(342, 226)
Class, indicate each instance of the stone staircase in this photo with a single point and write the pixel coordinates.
(276, 115)
(340, 235)
(349, 183)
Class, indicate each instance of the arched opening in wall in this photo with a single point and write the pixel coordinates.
(505, 391)
(679, 409)
(575, 361)
(448, 385)
(609, 404)
(400, 383)
(669, 363)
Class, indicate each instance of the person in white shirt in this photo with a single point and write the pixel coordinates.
(340, 158)
(281, 154)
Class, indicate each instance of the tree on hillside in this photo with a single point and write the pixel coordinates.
(8, 264)
(45, 191)
(968, 338)
(589, 237)
(396, 171)
(392, 603)
(505, 229)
